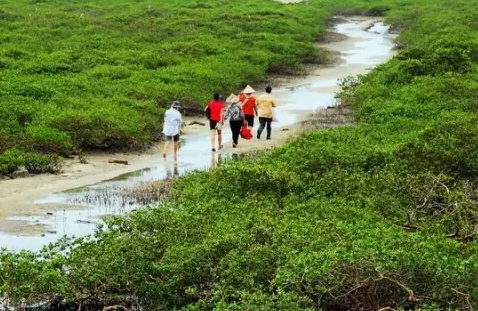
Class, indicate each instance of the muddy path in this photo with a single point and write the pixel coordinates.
(38, 210)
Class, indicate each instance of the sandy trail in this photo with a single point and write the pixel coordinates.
(297, 98)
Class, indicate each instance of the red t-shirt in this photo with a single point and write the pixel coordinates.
(215, 108)
(248, 105)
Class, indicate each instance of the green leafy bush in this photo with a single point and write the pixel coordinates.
(38, 163)
(10, 161)
(50, 140)
(4, 142)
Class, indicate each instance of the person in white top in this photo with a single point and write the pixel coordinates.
(172, 128)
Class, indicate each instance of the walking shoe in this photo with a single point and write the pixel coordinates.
(213, 149)
(234, 145)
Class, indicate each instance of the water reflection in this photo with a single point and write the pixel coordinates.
(216, 160)
(174, 172)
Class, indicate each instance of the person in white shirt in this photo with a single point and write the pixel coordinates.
(172, 128)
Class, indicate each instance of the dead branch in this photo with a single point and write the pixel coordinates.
(411, 295)
(409, 226)
(460, 238)
(197, 122)
(115, 308)
(364, 295)
(118, 162)
(467, 298)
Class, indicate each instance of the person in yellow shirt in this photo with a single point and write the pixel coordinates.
(265, 103)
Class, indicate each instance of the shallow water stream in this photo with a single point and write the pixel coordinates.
(360, 52)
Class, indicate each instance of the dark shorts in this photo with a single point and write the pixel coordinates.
(249, 120)
(212, 124)
(175, 138)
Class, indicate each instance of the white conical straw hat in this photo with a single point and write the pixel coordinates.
(232, 98)
(248, 90)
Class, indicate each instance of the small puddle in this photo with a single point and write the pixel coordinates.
(90, 204)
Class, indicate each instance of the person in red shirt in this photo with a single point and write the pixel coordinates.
(248, 106)
(215, 115)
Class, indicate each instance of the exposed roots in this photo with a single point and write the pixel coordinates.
(380, 294)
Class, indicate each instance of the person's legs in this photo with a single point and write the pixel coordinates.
(236, 130)
(233, 131)
(166, 146)
(213, 139)
(262, 122)
(219, 138)
(176, 146)
(212, 127)
(250, 121)
(269, 127)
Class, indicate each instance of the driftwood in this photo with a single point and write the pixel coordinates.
(197, 122)
(409, 226)
(118, 162)
(462, 238)
(84, 221)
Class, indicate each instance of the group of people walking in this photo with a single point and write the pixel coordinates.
(240, 113)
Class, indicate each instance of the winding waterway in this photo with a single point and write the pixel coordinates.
(361, 51)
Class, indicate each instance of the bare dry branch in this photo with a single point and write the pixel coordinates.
(115, 308)
(467, 298)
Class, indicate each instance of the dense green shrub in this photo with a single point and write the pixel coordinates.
(11, 161)
(4, 142)
(38, 163)
(50, 140)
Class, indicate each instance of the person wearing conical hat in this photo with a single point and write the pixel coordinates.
(232, 98)
(248, 105)
(236, 118)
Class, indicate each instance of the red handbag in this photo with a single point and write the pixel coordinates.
(245, 131)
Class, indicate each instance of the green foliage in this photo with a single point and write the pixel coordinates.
(13, 160)
(97, 75)
(38, 163)
(344, 219)
(50, 140)
(10, 161)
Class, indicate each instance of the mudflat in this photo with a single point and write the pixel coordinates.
(17, 196)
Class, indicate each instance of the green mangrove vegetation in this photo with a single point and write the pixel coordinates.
(381, 215)
(82, 75)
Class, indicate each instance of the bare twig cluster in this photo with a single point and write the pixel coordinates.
(453, 204)
(378, 294)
